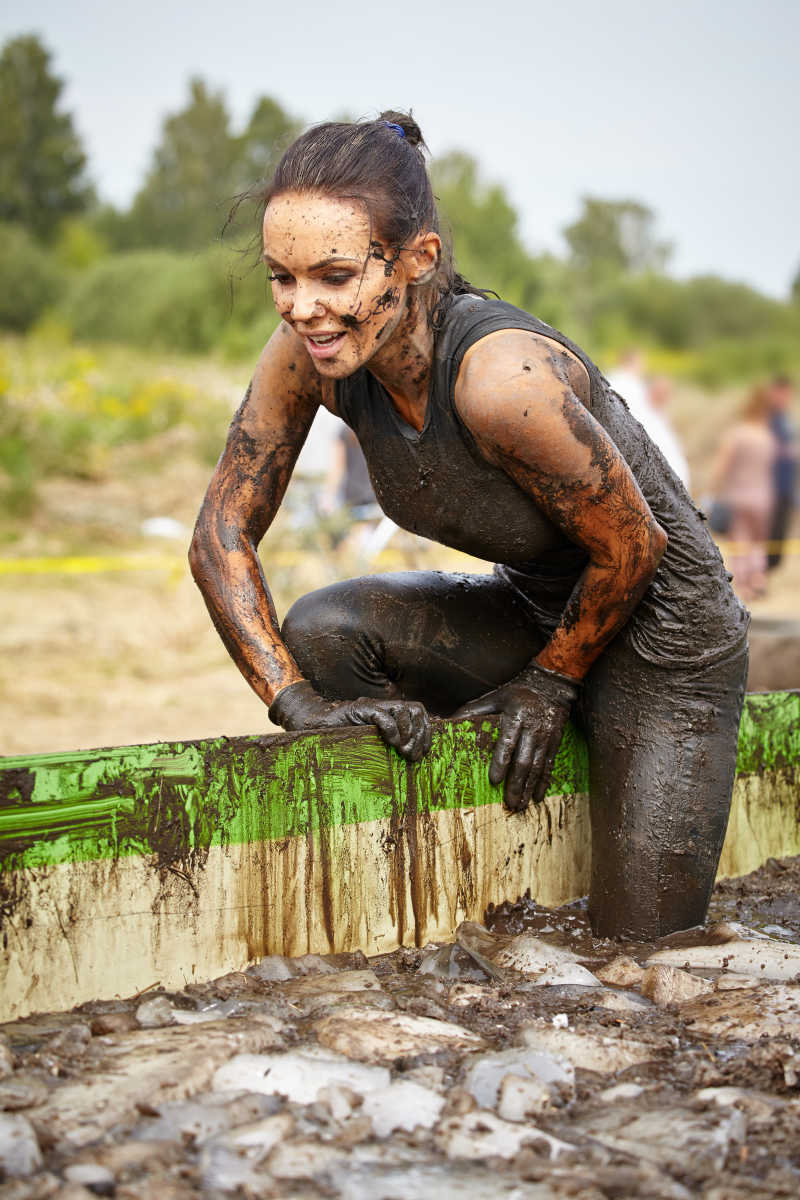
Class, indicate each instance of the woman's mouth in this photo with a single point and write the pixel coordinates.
(323, 345)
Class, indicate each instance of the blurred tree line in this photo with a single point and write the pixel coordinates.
(159, 273)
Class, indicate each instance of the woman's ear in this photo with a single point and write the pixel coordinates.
(422, 258)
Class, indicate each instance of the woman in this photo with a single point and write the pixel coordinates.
(742, 477)
(490, 432)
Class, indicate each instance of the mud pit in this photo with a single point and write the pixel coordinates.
(525, 1060)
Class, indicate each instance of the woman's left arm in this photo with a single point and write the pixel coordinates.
(522, 398)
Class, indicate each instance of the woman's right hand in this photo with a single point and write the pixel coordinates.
(403, 724)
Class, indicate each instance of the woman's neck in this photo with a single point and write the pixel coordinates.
(403, 365)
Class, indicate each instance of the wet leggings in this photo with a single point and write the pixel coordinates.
(662, 741)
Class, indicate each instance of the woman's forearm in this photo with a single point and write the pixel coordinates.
(600, 605)
(237, 597)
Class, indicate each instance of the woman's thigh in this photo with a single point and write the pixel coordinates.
(424, 635)
(662, 756)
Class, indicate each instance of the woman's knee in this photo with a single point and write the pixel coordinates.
(309, 616)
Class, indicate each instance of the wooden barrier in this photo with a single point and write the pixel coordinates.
(136, 865)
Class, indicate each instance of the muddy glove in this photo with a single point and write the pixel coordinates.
(534, 705)
(404, 724)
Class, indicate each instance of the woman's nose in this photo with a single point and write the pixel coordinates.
(305, 302)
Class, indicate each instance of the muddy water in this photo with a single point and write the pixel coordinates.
(525, 1059)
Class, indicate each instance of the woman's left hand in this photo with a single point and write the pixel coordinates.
(532, 722)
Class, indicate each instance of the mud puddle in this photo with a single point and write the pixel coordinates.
(525, 1059)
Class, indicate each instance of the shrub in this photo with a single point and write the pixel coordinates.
(161, 298)
(30, 280)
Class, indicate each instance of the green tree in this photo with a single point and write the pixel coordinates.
(42, 163)
(487, 246)
(614, 236)
(199, 167)
(269, 131)
(182, 203)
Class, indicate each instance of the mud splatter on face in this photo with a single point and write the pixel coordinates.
(329, 279)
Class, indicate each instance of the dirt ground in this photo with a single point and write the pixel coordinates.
(526, 1060)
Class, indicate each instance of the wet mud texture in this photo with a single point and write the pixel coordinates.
(167, 1094)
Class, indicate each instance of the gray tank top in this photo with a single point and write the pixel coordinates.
(428, 481)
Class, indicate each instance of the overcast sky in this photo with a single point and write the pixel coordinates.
(690, 106)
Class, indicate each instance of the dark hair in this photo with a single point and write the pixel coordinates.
(376, 163)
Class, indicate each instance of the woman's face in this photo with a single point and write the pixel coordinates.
(342, 292)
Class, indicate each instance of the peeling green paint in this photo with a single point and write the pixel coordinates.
(178, 799)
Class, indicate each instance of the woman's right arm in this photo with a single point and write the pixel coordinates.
(245, 492)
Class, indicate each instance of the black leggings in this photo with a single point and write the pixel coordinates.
(662, 741)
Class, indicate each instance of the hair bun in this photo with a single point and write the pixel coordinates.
(410, 128)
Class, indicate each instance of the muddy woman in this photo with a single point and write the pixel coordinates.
(489, 431)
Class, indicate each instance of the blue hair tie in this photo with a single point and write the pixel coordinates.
(397, 128)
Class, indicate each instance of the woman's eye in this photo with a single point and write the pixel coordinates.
(339, 279)
(274, 277)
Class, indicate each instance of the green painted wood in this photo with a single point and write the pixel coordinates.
(178, 799)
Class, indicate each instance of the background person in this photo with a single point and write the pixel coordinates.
(780, 393)
(743, 478)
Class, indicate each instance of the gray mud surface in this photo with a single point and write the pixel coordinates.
(527, 1059)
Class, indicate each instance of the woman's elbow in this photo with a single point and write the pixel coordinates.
(654, 551)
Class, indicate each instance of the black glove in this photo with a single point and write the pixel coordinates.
(404, 724)
(534, 705)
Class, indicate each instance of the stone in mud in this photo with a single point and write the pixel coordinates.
(6, 1058)
(22, 1090)
(441, 1181)
(340, 1101)
(567, 975)
(480, 1134)
(666, 985)
(622, 971)
(155, 1013)
(730, 982)
(760, 958)
(230, 1163)
(620, 1001)
(465, 995)
(589, 1051)
(134, 1068)
(200, 1120)
(382, 1037)
(402, 1105)
(666, 1135)
(521, 1097)
(306, 1160)
(298, 1074)
(273, 969)
(451, 962)
(94, 1177)
(621, 1091)
(533, 955)
(19, 1148)
(746, 1014)
(318, 964)
(315, 991)
(114, 1022)
(486, 1072)
(759, 1106)
(477, 937)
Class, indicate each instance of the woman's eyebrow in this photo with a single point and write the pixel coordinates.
(317, 266)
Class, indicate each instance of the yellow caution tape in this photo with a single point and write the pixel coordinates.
(98, 564)
(87, 564)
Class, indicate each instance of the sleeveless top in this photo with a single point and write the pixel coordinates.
(437, 484)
